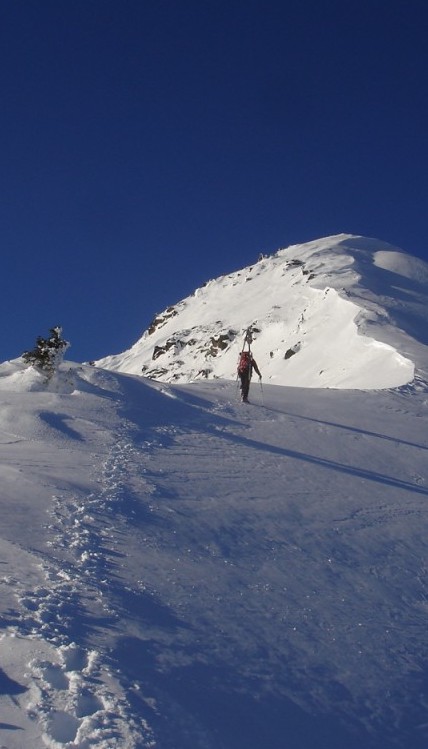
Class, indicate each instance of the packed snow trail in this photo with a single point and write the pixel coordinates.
(68, 448)
(201, 573)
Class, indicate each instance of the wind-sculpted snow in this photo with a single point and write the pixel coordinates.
(339, 312)
(181, 570)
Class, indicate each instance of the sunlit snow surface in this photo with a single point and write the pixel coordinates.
(339, 312)
(181, 570)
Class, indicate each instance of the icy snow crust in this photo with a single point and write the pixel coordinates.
(340, 312)
(180, 570)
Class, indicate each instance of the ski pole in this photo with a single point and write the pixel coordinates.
(261, 388)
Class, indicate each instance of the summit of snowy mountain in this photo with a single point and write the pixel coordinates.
(339, 312)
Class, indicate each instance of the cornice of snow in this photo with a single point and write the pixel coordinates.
(343, 311)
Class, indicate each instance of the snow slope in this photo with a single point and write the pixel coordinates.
(180, 570)
(339, 312)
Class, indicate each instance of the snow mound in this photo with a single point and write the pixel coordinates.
(403, 265)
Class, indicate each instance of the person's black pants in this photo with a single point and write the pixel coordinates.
(245, 384)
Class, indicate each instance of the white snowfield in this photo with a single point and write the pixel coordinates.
(182, 571)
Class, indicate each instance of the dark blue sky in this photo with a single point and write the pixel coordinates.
(149, 145)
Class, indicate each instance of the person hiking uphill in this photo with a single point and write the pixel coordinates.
(246, 365)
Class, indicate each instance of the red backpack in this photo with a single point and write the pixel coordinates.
(244, 362)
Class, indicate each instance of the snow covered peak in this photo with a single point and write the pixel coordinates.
(341, 312)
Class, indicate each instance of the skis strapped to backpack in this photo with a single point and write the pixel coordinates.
(248, 339)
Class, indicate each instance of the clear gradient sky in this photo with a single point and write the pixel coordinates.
(149, 145)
